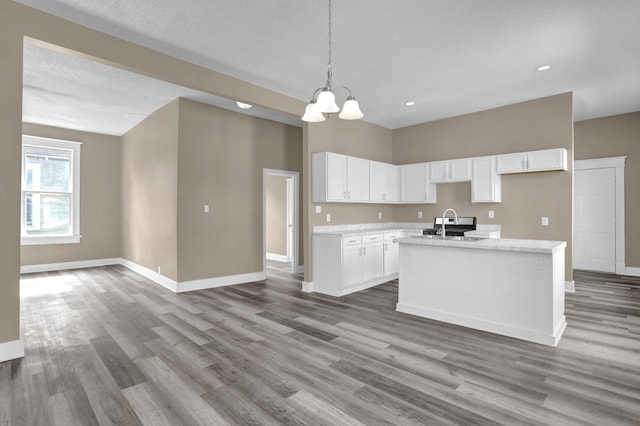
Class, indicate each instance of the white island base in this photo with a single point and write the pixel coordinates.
(509, 287)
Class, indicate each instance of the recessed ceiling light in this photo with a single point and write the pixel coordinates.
(543, 67)
(243, 105)
(410, 103)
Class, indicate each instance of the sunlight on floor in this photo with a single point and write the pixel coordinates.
(46, 285)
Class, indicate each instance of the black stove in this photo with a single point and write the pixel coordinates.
(452, 228)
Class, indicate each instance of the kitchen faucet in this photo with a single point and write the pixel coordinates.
(455, 220)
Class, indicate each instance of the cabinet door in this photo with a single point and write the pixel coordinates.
(376, 181)
(548, 159)
(372, 266)
(460, 170)
(357, 179)
(512, 163)
(391, 258)
(336, 176)
(485, 182)
(413, 182)
(439, 171)
(351, 266)
(391, 182)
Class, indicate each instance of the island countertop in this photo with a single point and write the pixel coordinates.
(502, 244)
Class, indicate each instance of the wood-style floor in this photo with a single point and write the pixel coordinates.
(107, 346)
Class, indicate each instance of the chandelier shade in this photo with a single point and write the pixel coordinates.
(323, 100)
(312, 114)
(351, 110)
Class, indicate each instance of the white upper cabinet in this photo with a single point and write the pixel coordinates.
(486, 184)
(532, 161)
(384, 182)
(415, 184)
(357, 184)
(450, 171)
(338, 177)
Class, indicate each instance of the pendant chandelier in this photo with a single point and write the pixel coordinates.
(323, 100)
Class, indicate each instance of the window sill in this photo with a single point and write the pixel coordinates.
(32, 241)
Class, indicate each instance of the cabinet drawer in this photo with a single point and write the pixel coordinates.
(351, 241)
(373, 238)
(390, 236)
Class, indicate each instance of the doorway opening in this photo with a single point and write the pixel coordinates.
(281, 220)
(598, 218)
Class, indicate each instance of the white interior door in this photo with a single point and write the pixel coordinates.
(594, 240)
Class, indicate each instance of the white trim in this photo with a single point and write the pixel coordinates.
(75, 148)
(176, 287)
(631, 271)
(11, 350)
(47, 267)
(308, 286)
(618, 164)
(277, 257)
(220, 281)
(295, 261)
(570, 286)
(152, 275)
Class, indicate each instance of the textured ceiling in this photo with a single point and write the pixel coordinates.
(451, 58)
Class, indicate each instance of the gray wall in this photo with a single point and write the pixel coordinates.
(100, 200)
(150, 192)
(527, 126)
(611, 137)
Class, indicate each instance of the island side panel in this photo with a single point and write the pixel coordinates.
(504, 292)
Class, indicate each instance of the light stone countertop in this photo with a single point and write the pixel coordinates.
(500, 244)
(486, 231)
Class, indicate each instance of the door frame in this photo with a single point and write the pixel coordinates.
(616, 163)
(295, 176)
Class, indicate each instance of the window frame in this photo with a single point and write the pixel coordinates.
(74, 183)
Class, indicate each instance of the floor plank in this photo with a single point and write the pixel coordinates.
(105, 345)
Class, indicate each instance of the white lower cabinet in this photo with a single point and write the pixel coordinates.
(391, 253)
(343, 265)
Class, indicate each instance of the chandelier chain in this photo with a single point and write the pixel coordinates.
(329, 66)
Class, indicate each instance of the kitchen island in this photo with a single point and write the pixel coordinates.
(505, 286)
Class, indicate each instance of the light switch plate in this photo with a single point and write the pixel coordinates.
(206, 208)
(318, 209)
(419, 215)
(328, 217)
(379, 215)
(545, 221)
(491, 214)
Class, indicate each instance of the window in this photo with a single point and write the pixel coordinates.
(50, 191)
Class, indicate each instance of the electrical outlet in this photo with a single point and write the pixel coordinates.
(379, 215)
(491, 214)
(545, 221)
(328, 217)
(419, 215)
(206, 208)
(159, 269)
(318, 209)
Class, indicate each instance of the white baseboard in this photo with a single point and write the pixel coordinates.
(277, 257)
(176, 287)
(152, 275)
(48, 267)
(631, 271)
(308, 286)
(11, 350)
(220, 281)
(570, 286)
